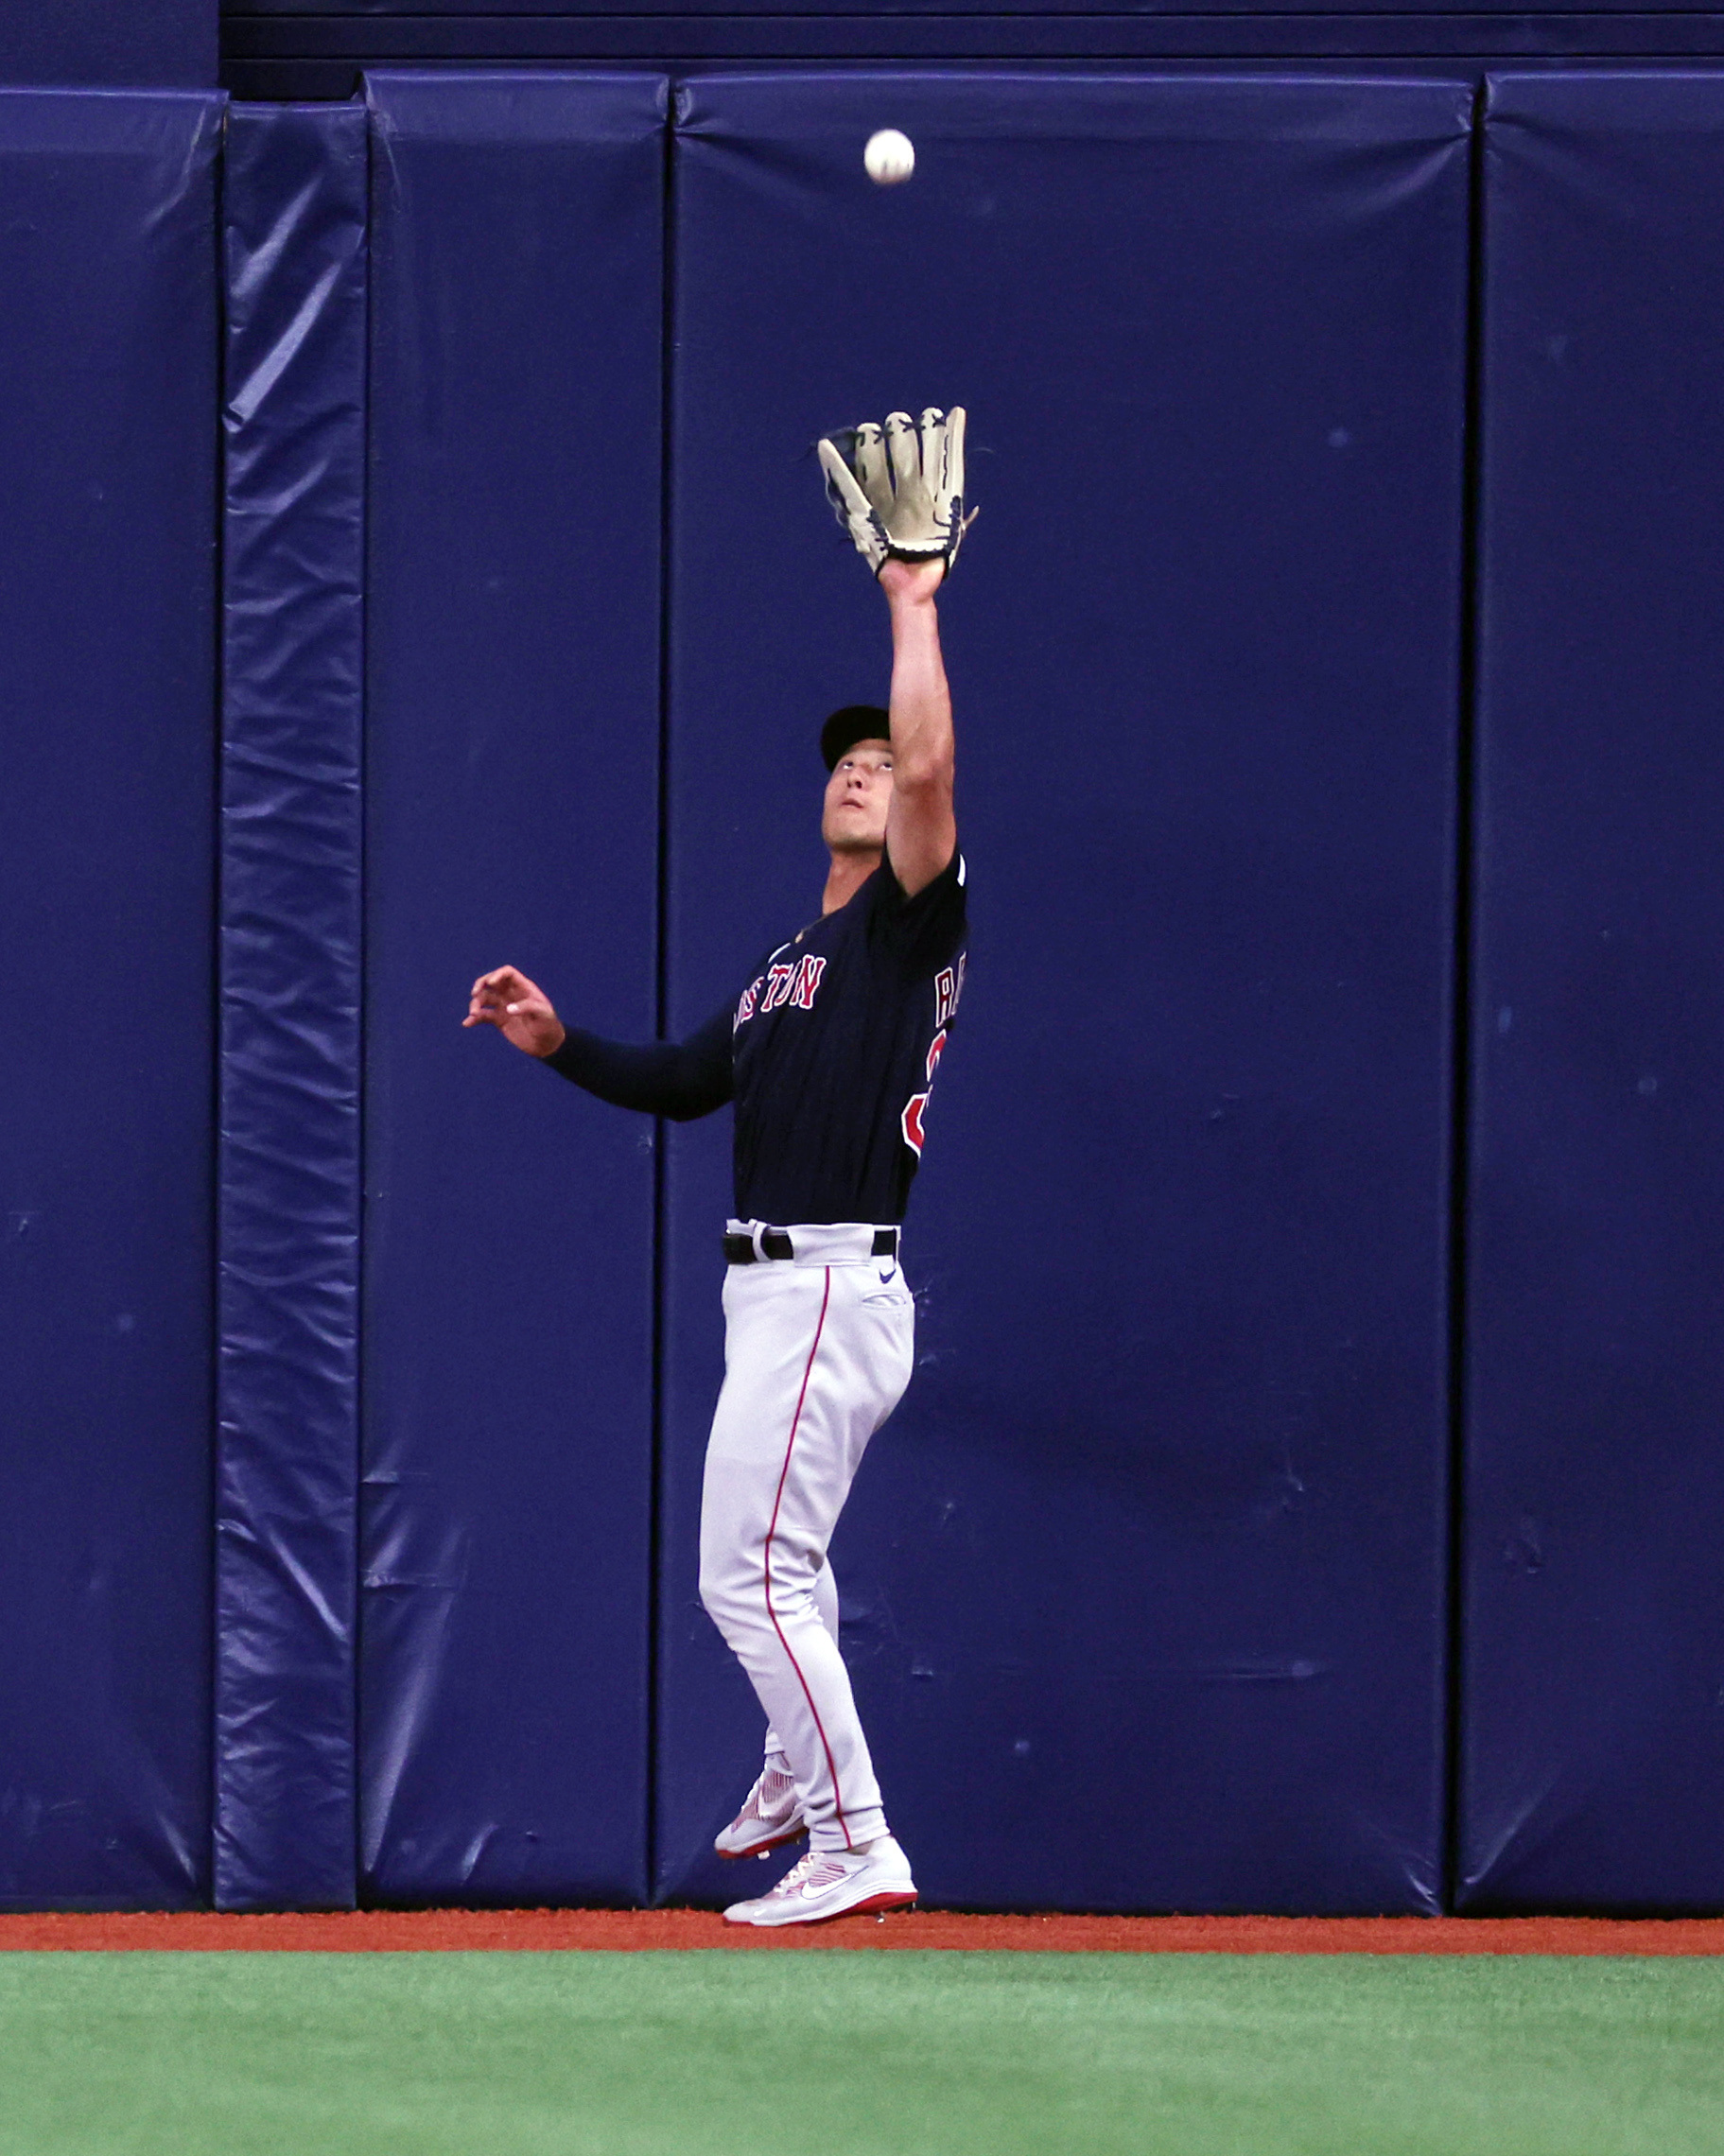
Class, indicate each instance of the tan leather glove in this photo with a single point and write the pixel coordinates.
(898, 490)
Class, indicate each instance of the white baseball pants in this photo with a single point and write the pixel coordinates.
(817, 1354)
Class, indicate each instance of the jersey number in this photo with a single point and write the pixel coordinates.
(916, 1106)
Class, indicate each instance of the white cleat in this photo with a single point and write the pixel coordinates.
(833, 1882)
(769, 1818)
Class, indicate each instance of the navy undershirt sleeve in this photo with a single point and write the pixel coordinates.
(679, 1079)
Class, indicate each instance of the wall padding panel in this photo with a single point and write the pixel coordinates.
(511, 815)
(1594, 1724)
(295, 208)
(108, 396)
(1143, 1586)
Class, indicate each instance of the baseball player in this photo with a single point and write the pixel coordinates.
(829, 1054)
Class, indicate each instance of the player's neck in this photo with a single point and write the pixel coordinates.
(846, 877)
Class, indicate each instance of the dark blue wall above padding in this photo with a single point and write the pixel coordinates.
(1143, 1586)
(282, 48)
(159, 43)
(108, 399)
(511, 816)
(1594, 1732)
(294, 201)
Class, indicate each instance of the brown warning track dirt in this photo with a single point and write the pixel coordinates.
(425, 1931)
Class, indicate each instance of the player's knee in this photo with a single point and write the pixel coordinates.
(732, 1594)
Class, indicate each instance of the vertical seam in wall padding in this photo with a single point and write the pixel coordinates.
(217, 866)
(661, 986)
(361, 1610)
(362, 917)
(1461, 992)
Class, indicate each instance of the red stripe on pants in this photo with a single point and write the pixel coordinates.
(772, 1529)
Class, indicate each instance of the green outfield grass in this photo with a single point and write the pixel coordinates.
(856, 2053)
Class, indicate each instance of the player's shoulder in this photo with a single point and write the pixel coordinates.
(951, 881)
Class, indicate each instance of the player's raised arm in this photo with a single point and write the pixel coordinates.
(921, 827)
(898, 490)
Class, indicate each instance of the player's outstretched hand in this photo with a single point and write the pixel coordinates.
(518, 1008)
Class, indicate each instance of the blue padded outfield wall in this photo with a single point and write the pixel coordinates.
(1143, 1586)
(108, 403)
(1349, 483)
(1593, 1738)
(511, 787)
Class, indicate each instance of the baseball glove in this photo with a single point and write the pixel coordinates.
(898, 490)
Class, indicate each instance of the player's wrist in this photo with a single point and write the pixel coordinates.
(913, 589)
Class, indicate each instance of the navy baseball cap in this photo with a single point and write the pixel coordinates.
(855, 723)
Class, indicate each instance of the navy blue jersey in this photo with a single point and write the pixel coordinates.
(829, 1055)
(836, 1041)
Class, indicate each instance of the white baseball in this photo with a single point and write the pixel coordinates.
(889, 157)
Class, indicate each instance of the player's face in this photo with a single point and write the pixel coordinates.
(857, 795)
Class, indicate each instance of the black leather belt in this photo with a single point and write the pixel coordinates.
(776, 1243)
